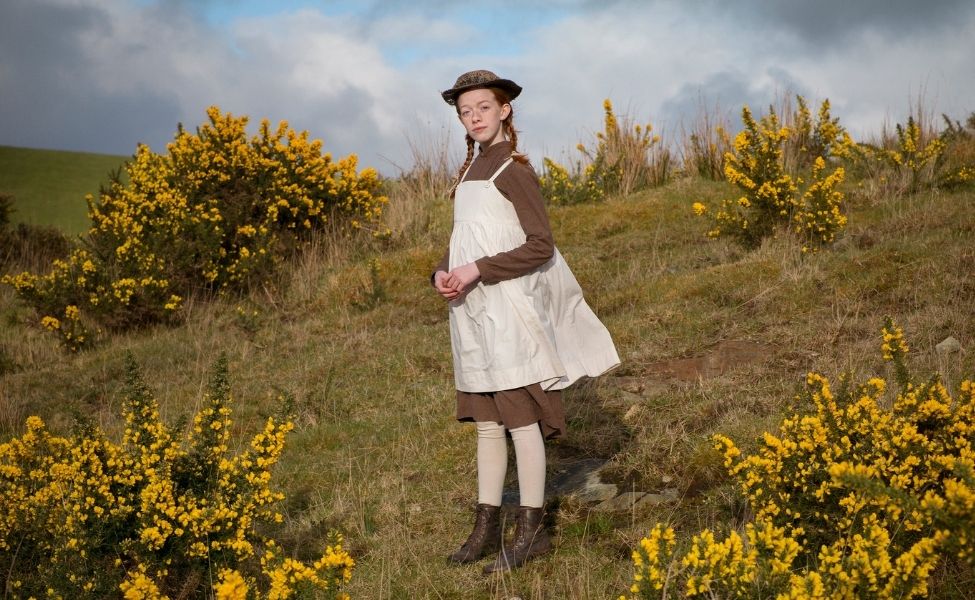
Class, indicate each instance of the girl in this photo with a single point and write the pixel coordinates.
(520, 330)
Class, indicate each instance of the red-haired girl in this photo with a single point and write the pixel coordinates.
(520, 330)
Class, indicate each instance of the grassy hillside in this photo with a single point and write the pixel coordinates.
(713, 339)
(49, 186)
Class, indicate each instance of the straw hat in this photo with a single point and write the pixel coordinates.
(480, 79)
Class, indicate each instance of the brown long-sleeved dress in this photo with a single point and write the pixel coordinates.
(519, 184)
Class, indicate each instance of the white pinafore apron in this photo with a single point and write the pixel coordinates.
(536, 328)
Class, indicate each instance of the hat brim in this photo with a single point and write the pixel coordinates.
(510, 87)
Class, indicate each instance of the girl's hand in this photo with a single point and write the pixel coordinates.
(440, 284)
(463, 277)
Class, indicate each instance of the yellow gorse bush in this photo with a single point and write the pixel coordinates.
(155, 515)
(810, 139)
(915, 156)
(771, 196)
(861, 498)
(958, 164)
(217, 211)
(626, 158)
(560, 187)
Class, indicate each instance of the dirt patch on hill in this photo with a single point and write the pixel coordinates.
(722, 357)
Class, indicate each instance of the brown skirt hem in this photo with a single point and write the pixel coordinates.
(518, 407)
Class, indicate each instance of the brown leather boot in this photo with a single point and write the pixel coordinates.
(485, 539)
(530, 540)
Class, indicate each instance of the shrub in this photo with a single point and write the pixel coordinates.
(217, 212)
(959, 165)
(626, 158)
(911, 159)
(809, 140)
(560, 187)
(27, 246)
(771, 196)
(156, 515)
(6, 207)
(916, 156)
(861, 498)
(369, 295)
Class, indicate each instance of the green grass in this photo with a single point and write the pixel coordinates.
(49, 186)
(377, 454)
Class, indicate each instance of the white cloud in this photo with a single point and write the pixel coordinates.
(103, 74)
(657, 60)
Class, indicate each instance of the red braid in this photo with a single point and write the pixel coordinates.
(467, 163)
(508, 125)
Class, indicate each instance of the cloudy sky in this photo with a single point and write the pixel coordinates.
(104, 75)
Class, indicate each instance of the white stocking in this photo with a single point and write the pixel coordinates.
(492, 462)
(530, 456)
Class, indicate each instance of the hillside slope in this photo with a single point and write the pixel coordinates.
(713, 339)
(49, 186)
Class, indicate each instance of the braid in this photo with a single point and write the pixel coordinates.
(508, 126)
(512, 133)
(467, 163)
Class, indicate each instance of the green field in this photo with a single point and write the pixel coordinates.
(49, 186)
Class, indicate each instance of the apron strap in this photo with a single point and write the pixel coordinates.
(501, 168)
(466, 171)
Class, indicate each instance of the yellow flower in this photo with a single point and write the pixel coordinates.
(231, 586)
(173, 303)
(139, 586)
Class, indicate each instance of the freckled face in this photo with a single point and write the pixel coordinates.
(482, 114)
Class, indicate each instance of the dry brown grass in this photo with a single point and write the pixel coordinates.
(636, 151)
(418, 194)
(705, 141)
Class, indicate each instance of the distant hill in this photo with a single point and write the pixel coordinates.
(49, 186)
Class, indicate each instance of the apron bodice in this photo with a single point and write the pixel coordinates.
(536, 328)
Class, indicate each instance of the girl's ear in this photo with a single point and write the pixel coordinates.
(505, 111)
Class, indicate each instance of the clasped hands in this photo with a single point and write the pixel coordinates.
(456, 282)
